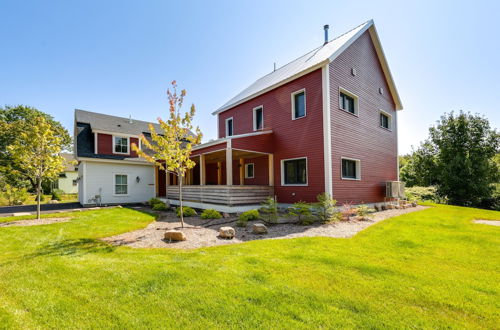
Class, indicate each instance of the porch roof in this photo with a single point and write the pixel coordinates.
(259, 142)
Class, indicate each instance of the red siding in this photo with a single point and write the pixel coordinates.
(261, 172)
(216, 147)
(259, 143)
(104, 144)
(362, 137)
(136, 142)
(291, 138)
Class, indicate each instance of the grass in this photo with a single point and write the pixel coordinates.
(428, 269)
(65, 198)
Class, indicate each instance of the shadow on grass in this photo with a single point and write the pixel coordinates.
(72, 247)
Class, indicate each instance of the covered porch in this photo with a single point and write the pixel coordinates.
(231, 174)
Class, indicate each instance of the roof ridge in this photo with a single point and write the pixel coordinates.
(125, 118)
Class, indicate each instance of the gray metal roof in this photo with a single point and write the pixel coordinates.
(113, 124)
(312, 60)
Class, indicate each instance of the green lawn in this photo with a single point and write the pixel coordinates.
(429, 269)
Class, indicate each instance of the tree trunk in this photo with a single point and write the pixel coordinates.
(180, 200)
(38, 197)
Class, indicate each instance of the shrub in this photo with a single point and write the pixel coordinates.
(362, 211)
(269, 208)
(422, 194)
(186, 211)
(301, 211)
(247, 216)
(15, 196)
(210, 214)
(346, 211)
(154, 201)
(57, 194)
(159, 206)
(325, 209)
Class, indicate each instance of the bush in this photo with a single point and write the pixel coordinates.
(154, 201)
(325, 209)
(15, 196)
(57, 194)
(210, 214)
(159, 206)
(269, 208)
(247, 216)
(301, 211)
(346, 211)
(419, 194)
(186, 211)
(362, 211)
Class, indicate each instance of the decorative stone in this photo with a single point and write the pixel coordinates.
(259, 228)
(53, 201)
(414, 204)
(225, 215)
(226, 232)
(174, 235)
(383, 207)
(377, 207)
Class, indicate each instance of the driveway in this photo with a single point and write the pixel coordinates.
(6, 211)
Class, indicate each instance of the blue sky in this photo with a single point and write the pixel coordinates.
(118, 57)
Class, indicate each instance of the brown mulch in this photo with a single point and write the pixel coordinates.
(207, 235)
(34, 222)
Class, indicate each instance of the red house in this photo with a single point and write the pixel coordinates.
(325, 122)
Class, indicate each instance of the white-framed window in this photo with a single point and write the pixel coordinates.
(299, 104)
(249, 171)
(294, 172)
(258, 118)
(385, 120)
(348, 101)
(351, 169)
(229, 127)
(121, 184)
(121, 145)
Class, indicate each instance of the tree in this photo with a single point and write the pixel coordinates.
(170, 150)
(419, 168)
(465, 165)
(36, 151)
(14, 121)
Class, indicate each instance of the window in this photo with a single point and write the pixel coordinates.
(348, 102)
(249, 173)
(351, 169)
(121, 145)
(385, 120)
(121, 187)
(229, 127)
(294, 172)
(75, 182)
(299, 104)
(258, 118)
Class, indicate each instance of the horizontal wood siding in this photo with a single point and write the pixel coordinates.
(104, 144)
(362, 137)
(222, 195)
(261, 171)
(291, 138)
(205, 150)
(258, 143)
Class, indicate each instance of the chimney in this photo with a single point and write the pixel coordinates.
(326, 27)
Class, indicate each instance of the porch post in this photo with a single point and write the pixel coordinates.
(202, 170)
(219, 173)
(229, 164)
(271, 169)
(242, 171)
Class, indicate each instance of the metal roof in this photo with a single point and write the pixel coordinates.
(304, 64)
(113, 124)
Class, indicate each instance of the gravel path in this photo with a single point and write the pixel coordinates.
(488, 222)
(197, 236)
(25, 223)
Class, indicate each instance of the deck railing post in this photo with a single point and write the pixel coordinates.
(229, 164)
(271, 169)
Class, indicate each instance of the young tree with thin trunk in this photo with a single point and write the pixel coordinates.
(37, 152)
(170, 150)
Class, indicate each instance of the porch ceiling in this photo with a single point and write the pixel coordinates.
(220, 156)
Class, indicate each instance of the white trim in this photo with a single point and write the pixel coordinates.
(84, 186)
(226, 139)
(283, 174)
(327, 129)
(128, 144)
(114, 133)
(253, 151)
(254, 122)
(114, 185)
(96, 135)
(292, 96)
(356, 101)
(139, 161)
(265, 90)
(397, 143)
(209, 144)
(389, 121)
(246, 171)
(358, 169)
(227, 128)
(207, 153)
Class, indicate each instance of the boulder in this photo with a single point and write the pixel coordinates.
(259, 228)
(414, 204)
(174, 235)
(377, 207)
(226, 232)
(53, 201)
(225, 215)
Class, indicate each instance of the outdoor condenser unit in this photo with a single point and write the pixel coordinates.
(394, 189)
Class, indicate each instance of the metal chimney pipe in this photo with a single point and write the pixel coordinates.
(326, 27)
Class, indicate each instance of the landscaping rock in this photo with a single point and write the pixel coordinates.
(226, 232)
(225, 215)
(377, 208)
(175, 235)
(259, 228)
(53, 201)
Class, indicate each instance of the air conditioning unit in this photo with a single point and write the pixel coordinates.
(394, 189)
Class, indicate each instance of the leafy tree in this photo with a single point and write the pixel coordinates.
(465, 164)
(13, 121)
(171, 149)
(419, 168)
(36, 151)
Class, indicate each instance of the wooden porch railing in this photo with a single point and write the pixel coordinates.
(222, 195)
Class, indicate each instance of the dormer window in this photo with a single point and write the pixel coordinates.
(120, 145)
